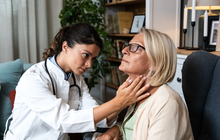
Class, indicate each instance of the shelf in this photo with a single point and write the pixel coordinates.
(122, 35)
(113, 60)
(112, 86)
(125, 2)
(188, 52)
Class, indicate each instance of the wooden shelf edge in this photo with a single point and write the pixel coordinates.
(112, 86)
(184, 52)
(112, 3)
(122, 35)
(113, 60)
(125, 2)
(188, 52)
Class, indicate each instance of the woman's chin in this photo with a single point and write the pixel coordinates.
(121, 68)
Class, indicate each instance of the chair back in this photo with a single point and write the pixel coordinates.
(201, 89)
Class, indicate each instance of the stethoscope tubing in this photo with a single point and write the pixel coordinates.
(73, 76)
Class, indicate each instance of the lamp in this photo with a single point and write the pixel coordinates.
(201, 5)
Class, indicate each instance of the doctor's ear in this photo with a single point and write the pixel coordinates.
(65, 46)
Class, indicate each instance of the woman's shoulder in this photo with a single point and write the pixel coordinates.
(164, 99)
(165, 95)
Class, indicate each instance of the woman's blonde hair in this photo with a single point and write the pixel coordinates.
(161, 53)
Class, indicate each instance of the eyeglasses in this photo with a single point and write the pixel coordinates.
(132, 47)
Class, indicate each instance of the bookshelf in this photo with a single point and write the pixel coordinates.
(112, 8)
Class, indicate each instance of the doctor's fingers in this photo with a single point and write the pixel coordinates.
(143, 92)
(135, 83)
(138, 84)
(126, 83)
(127, 87)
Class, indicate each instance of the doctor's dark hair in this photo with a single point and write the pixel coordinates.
(80, 33)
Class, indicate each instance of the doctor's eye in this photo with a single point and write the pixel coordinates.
(86, 55)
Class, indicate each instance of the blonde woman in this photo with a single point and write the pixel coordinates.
(163, 115)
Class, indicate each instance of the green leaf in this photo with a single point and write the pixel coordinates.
(75, 11)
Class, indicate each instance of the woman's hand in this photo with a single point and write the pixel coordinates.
(112, 134)
(130, 92)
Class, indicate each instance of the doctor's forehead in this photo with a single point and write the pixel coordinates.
(91, 49)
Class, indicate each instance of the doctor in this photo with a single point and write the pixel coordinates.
(52, 98)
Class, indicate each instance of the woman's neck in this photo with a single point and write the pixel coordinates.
(152, 90)
(61, 62)
(133, 77)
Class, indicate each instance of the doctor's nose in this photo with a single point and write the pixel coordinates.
(88, 63)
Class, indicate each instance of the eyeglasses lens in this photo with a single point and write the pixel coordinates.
(133, 47)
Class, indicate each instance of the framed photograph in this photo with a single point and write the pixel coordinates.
(137, 23)
(214, 33)
(213, 22)
(218, 37)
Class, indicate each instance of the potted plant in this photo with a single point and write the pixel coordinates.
(93, 13)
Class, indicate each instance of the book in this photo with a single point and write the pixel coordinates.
(121, 76)
(114, 52)
(125, 20)
(110, 24)
(116, 22)
(118, 44)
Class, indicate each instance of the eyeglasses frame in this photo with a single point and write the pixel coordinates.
(126, 45)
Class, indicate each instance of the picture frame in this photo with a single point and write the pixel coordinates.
(137, 23)
(214, 32)
(218, 38)
(210, 43)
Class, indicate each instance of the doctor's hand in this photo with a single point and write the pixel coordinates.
(128, 93)
(111, 134)
(132, 91)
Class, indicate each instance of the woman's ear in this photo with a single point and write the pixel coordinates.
(65, 46)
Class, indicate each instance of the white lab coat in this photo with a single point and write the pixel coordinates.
(39, 115)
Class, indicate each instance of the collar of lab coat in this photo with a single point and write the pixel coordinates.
(54, 71)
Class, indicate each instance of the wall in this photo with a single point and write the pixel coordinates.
(54, 8)
(164, 16)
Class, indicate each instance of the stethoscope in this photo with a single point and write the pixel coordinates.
(73, 76)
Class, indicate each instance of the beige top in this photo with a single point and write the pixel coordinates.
(163, 117)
